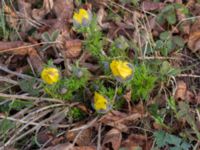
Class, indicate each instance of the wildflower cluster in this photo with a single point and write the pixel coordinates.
(119, 68)
(85, 22)
(62, 87)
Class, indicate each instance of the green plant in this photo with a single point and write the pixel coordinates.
(99, 86)
(168, 43)
(166, 70)
(66, 88)
(168, 13)
(19, 104)
(142, 83)
(118, 48)
(184, 113)
(163, 139)
(93, 42)
(172, 104)
(157, 115)
(133, 2)
(50, 39)
(75, 114)
(5, 126)
(93, 37)
(28, 86)
(4, 32)
(114, 94)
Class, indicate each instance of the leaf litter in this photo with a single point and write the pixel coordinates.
(151, 35)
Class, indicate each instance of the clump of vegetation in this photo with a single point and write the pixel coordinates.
(143, 82)
(86, 23)
(114, 70)
(173, 142)
(66, 87)
(75, 114)
(168, 43)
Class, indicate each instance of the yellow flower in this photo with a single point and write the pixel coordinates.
(82, 16)
(100, 103)
(122, 70)
(50, 75)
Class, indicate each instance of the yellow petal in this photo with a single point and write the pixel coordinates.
(114, 68)
(77, 18)
(124, 70)
(84, 13)
(81, 15)
(100, 102)
(121, 69)
(50, 75)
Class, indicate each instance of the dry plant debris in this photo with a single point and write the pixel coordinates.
(99, 75)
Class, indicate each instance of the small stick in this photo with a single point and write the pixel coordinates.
(4, 79)
(198, 114)
(23, 76)
(33, 123)
(99, 138)
(30, 98)
(85, 126)
(27, 46)
(188, 75)
(159, 58)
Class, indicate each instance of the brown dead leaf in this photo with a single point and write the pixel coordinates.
(73, 48)
(100, 17)
(9, 148)
(84, 138)
(48, 5)
(181, 90)
(66, 146)
(190, 97)
(83, 108)
(157, 126)
(58, 140)
(190, 3)
(193, 7)
(135, 141)
(21, 48)
(35, 59)
(91, 67)
(185, 26)
(63, 9)
(119, 120)
(112, 137)
(149, 6)
(154, 27)
(39, 14)
(15, 47)
(198, 98)
(111, 119)
(11, 17)
(84, 148)
(182, 93)
(127, 97)
(194, 37)
(44, 136)
(139, 108)
(25, 13)
(9, 45)
(47, 138)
